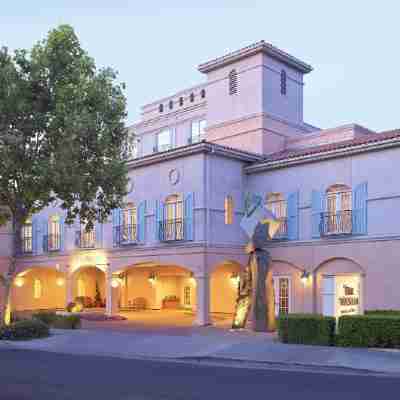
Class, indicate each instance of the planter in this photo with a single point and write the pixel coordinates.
(171, 304)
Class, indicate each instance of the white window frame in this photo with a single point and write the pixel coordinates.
(197, 130)
(277, 299)
(165, 146)
(37, 288)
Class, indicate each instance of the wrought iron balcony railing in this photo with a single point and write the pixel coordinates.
(338, 223)
(26, 245)
(85, 240)
(171, 230)
(51, 242)
(282, 232)
(125, 234)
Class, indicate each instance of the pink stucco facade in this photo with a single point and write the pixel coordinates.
(337, 188)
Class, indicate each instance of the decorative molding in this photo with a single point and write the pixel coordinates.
(174, 176)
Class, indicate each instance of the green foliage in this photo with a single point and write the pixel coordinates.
(47, 317)
(371, 330)
(26, 329)
(74, 307)
(383, 312)
(67, 322)
(307, 329)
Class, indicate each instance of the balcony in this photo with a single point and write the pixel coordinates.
(125, 235)
(162, 147)
(171, 230)
(85, 240)
(339, 223)
(26, 245)
(51, 243)
(282, 232)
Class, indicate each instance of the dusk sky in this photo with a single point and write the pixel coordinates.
(157, 45)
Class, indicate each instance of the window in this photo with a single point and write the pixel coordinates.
(228, 210)
(198, 131)
(160, 108)
(283, 82)
(233, 82)
(164, 140)
(277, 204)
(37, 289)
(129, 224)
(338, 216)
(86, 238)
(173, 229)
(26, 237)
(171, 104)
(181, 101)
(283, 292)
(187, 295)
(191, 97)
(54, 236)
(203, 93)
(81, 288)
(130, 147)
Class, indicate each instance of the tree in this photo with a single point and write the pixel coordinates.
(61, 137)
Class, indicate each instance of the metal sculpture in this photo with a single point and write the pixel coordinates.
(255, 301)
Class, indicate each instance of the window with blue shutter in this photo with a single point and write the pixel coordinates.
(317, 205)
(360, 197)
(293, 216)
(35, 234)
(116, 221)
(44, 234)
(141, 220)
(62, 233)
(188, 217)
(99, 235)
(159, 220)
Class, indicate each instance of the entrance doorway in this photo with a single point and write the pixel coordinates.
(283, 297)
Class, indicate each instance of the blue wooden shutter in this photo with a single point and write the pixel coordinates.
(43, 235)
(293, 215)
(360, 196)
(159, 219)
(317, 208)
(62, 232)
(188, 218)
(35, 232)
(116, 223)
(141, 221)
(98, 234)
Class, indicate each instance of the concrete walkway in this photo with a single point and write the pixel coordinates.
(209, 343)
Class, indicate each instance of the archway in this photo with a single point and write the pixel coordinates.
(38, 288)
(88, 286)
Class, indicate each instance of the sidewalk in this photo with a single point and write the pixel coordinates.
(210, 344)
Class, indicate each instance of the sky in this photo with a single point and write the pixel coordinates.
(156, 46)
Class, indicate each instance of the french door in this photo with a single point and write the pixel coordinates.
(283, 294)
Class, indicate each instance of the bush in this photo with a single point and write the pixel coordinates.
(74, 307)
(26, 329)
(383, 312)
(370, 330)
(307, 329)
(67, 322)
(48, 317)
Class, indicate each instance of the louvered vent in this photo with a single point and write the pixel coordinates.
(233, 82)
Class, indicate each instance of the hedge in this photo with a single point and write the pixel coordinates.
(59, 321)
(313, 329)
(383, 312)
(370, 330)
(26, 329)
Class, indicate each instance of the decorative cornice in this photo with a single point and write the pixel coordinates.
(323, 155)
(197, 148)
(255, 48)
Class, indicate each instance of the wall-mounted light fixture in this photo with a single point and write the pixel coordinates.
(60, 281)
(192, 279)
(114, 282)
(235, 279)
(19, 281)
(152, 278)
(304, 277)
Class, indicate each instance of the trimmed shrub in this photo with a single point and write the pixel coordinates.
(383, 312)
(67, 322)
(26, 329)
(74, 307)
(371, 330)
(48, 317)
(312, 329)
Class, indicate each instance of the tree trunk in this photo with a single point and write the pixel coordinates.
(8, 279)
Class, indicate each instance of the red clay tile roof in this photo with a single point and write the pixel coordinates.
(367, 139)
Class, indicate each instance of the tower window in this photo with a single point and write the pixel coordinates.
(160, 108)
(283, 82)
(233, 82)
(171, 104)
(203, 93)
(191, 97)
(181, 101)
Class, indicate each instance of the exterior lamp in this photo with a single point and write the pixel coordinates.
(152, 278)
(192, 279)
(304, 277)
(235, 278)
(60, 281)
(115, 283)
(19, 281)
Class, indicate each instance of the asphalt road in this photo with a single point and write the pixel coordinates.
(41, 375)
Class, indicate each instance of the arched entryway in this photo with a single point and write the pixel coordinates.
(88, 286)
(38, 288)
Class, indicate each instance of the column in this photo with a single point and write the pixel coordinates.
(112, 294)
(158, 294)
(69, 289)
(203, 300)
